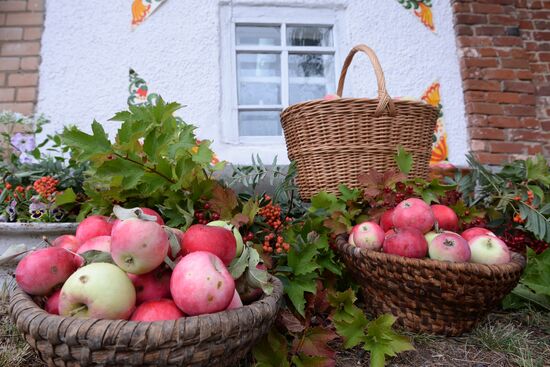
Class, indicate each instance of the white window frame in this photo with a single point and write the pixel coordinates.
(231, 16)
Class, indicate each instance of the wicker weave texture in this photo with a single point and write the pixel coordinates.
(219, 339)
(429, 295)
(333, 141)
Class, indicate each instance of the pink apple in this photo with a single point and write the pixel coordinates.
(93, 226)
(386, 221)
(487, 249)
(413, 213)
(42, 270)
(153, 285)
(157, 310)
(52, 304)
(201, 284)
(389, 232)
(235, 302)
(216, 240)
(449, 247)
(445, 217)
(154, 213)
(67, 241)
(139, 246)
(99, 243)
(99, 291)
(368, 235)
(408, 242)
(476, 231)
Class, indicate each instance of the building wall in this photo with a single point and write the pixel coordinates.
(21, 25)
(88, 49)
(505, 72)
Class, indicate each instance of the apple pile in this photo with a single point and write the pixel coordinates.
(417, 230)
(129, 276)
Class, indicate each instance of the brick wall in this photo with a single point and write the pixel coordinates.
(21, 24)
(504, 68)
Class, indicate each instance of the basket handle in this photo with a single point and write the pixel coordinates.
(384, 99)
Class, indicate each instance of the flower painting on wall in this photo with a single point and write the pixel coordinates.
(142, 9)
(422, 9)
(440, 149)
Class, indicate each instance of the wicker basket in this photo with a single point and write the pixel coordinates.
(333, 141)
(429, 295)
(219, 339)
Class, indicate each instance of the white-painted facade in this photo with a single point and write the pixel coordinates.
(185, 52)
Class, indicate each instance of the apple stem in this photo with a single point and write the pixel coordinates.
(45, 239)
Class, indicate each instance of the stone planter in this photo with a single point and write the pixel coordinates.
(29, 234)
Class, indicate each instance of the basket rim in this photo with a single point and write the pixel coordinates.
(517, 262)
(320, 101)
(17, 295)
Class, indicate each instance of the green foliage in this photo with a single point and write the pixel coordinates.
(404, 160)
(377, 336)
(155, 160)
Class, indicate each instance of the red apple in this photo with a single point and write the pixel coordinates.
(235, 302)
(139, 246)
(445, 217)
(201, 283)
(368, 235)
(42, 270)
(99, 243)
(153, 285)
(487, 249)
(413, 213)
(98, 291)
(67, 241)
(408, 242)
(388, 233)
(52, 304)
(93, 226)
(157, 310)
(216, 240)
(386, 221)
(154, 213)
(476, 231)
(449, 247)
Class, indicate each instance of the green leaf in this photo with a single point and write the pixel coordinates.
(303, 360)
(301, 256)
(297, 287)
(250, 209)
(349, 194)
(224, 201)
(326, 201)
(315, 342)
(240, 264)
(404, 160)
(382, 341)
(349, 320)
(536, 223)
(68, 196)
(272, 350)
(538, 169)
(94, 256)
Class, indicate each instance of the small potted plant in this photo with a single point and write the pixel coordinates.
(39, 194)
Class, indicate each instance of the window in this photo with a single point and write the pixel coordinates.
(279, 65)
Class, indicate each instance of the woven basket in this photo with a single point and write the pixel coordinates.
(428, 295)
(333, 141)
(219, 339)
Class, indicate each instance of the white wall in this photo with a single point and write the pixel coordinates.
(88, 48)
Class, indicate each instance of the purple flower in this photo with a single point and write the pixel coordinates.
(26, 158)
(23, 142)
(37, 210)
(12, 211)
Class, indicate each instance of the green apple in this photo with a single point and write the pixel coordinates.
(236, 233)
(430, 236)
(98, 291)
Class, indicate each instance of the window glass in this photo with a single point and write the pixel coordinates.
(311, 76)
(259, 78)
(258, 35)
(259, 123)
(318, 36)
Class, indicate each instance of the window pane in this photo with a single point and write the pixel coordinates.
(311, 76)
(309, 36)
(259, 123)
(259, 78)
(259, 36)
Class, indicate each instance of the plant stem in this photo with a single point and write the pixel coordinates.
(146, 168)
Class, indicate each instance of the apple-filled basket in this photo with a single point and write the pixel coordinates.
(429, 295)
(219, 339)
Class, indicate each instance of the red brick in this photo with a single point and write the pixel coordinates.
(10, 6)
(26, 94)
(527, 99)
(480, 62)
(2, 19)
(524, 74)
(478, 145)
(30, 63)
(506, 147)
(9, 63)
(2, 79)
(35, 5)
(470, 19)
(484, 108)
(477, 120)
(490, 158)
(487, 52)
(541, 15)
(502, 19)
(508, 41)
(487, 133)
(543, 90)
(542, 24)
(534, 149)
(25, 19)
(464, 30)
(501, 97)
(515, 63)
(32, 33)
(471, 41)
(519, 110)
(529, 122)
(526, 24)
(25, 108)
(482, 85)
(474, 96)
(461, 8)
(21, 49)
(499, 74)
(540, 68)
(487, 8)
(23, 80)
(515, 86)
(7, 94)
(489, 30)
(11, 33)
(526, 135)
(504, 121)
(542, 36)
